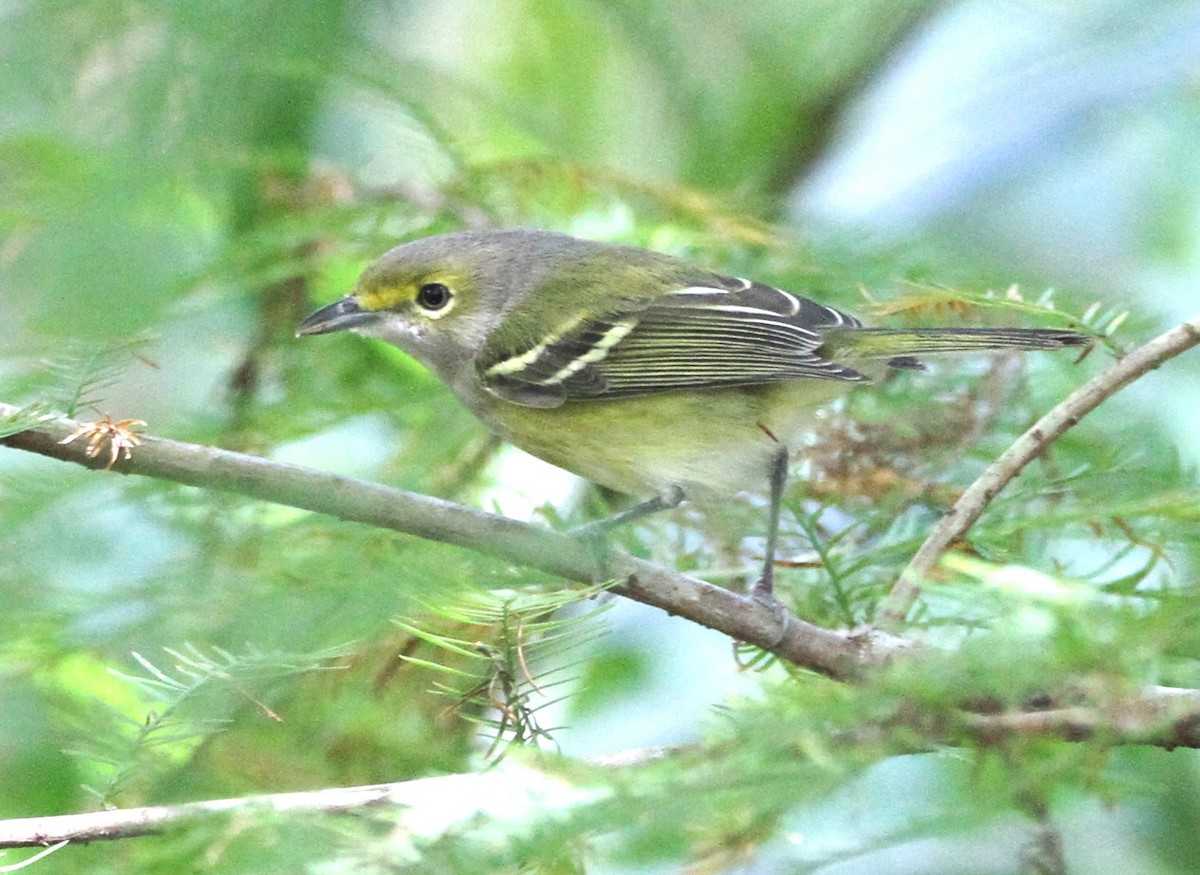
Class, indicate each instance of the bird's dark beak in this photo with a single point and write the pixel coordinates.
(337, 316)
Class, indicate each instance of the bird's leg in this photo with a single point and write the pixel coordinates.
(764, 587)
(763, 590)
(595, 534)
(665, 500)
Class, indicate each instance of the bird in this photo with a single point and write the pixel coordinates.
(634, 369)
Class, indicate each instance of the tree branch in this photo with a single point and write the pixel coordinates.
(840, 655)
(1166, 717)
(894, 609)
(1162, 716)
(458, 798)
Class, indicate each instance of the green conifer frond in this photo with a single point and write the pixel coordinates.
(75, 378)
(186, 703)
(926, 298)
(519, 650)
(26, 418)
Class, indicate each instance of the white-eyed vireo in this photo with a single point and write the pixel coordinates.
(634, 369)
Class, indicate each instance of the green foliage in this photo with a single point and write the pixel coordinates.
(180, 183)
(182, 708)
(488, 677)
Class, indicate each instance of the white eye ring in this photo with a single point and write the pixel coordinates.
(435, 299)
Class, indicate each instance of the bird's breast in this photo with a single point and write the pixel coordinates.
(710, 443)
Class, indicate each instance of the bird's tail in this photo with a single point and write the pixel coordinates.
(873, 343)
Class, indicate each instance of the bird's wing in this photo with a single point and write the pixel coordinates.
(738, 333)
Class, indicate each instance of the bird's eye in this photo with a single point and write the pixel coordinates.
(433, 296)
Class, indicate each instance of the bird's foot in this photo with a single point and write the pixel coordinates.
(763, 592)
(595, 534)
(665, 500)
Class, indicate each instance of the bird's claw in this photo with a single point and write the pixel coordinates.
(762, 593)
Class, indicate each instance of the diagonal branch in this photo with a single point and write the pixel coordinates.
(970, 506)
(839, 655)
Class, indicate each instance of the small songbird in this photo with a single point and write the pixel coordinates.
(636, 370)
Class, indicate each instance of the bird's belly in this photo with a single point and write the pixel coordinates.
(710, 443)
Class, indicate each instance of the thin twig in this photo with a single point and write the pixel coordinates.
(461, 796)
(894, 609)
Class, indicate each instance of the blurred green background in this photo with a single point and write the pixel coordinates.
(181, 182)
